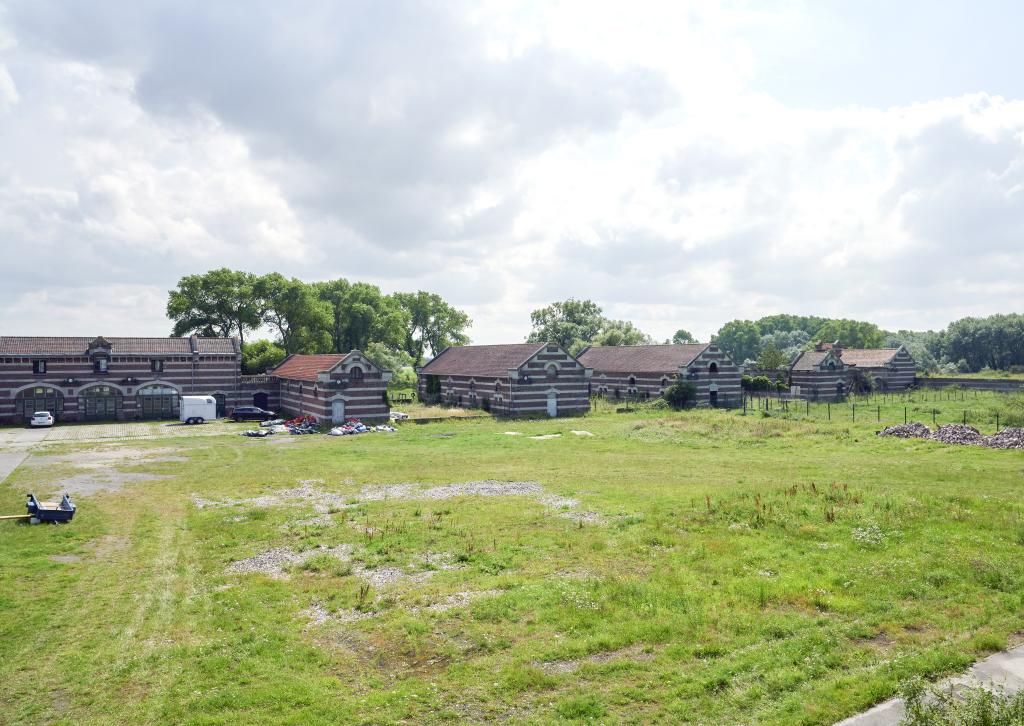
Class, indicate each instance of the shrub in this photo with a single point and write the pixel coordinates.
(760, 383)
(940, 707)
(680, 394)
(746, 382)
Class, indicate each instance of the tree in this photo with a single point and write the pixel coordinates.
(218, 303)
(851, 333)
(995, 342)
(740, 339)
(359, 314)
(293, 311)
(260, 356)
(783, 323)
(791, 343)
(620, 332)
(771, 358)
(575, 324)
(681, 393)
(430, 324)
(681, 337)
(571, 323)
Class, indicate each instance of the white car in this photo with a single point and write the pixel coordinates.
(41, 418)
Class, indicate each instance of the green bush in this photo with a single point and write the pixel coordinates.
(939, 707)
(681, 394)
(760, 383)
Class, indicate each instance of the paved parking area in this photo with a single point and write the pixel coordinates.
(26, 437)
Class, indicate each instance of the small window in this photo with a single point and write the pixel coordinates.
(713, 368)
(831, 365)
(356, 373)
(632, 380)
(497, 386)
(157, 366)
(100, 365)
(552, 372)
(39, 366)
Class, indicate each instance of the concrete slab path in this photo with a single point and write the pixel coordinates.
(1003, 671)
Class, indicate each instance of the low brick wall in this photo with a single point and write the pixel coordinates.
(977, 384)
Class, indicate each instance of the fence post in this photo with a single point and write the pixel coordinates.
(808, 402)
(879, 414)
(853, 408)
(934, 411)
(829, 404)
(965, 417)
(997, 422)
(904, 414)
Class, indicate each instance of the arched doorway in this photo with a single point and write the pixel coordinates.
(260, 400)
(713, 395)
(38, 398)
(157, 401)
(100, 403)
(552, 403)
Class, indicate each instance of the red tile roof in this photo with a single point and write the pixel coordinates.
(305, 367)
(79, 345)
(481, 360)
(640, 358)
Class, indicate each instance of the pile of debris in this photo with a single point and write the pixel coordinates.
(354, 426)
(1011, 438)
(913, 430)
(1006, 439)
(298, 426)
(959, 434)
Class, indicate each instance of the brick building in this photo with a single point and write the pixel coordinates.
(514, 379)
(645, 371)
(117, 379)
(332, 387)
(830, 371)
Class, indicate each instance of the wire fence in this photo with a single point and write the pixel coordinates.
(980, 409)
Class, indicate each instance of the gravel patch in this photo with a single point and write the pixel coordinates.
(273, 563)
(306, 492)
(959, 434)
(385, 577)
(1011, 438)
(485, 488)
(912, 430)
(455, 600)
(545, 437)
(633, 653)
(319, 615)
(65, 559)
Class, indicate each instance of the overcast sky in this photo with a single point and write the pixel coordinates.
(681, 164)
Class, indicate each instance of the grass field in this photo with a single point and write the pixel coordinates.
(701, 567)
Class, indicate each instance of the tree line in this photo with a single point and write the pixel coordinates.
(397, 330)
(774, 341)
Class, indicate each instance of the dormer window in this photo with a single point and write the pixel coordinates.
(39, 366)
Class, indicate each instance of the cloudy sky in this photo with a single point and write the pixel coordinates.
(682, 164)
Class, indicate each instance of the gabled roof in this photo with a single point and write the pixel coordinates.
(481, 360)
(810, 360)
(869, 357)
(79, 345)
(640, 358)
(298, 367)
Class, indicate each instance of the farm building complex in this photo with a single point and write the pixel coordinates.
(515, 379)
(645, 371)
(126, 379)
(829, 371)
(333, 387)
(80, 379)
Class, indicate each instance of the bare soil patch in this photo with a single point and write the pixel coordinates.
(633, 653)
(275, 562)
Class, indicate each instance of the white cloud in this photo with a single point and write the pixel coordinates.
(502, 154)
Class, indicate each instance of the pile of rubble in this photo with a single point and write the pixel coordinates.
(1011, 438)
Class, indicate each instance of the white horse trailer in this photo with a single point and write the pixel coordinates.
(197, 409)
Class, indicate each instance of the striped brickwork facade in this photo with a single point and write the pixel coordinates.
(140, 378)
(549, 382)
(897, 375)
(826, 380)
(352, 387)
(722, 379)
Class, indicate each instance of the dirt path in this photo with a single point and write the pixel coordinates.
(1003, 670)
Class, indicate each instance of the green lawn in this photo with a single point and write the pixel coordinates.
(715, 568)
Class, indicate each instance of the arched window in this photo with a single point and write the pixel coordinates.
(552, 372)
(632, 380)
(40, 398)
(157, 401)
(831, 365)
(497, 386)
(100, 402)
(664, 381)
(356, 373)
(713, 368)
(472, 387)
